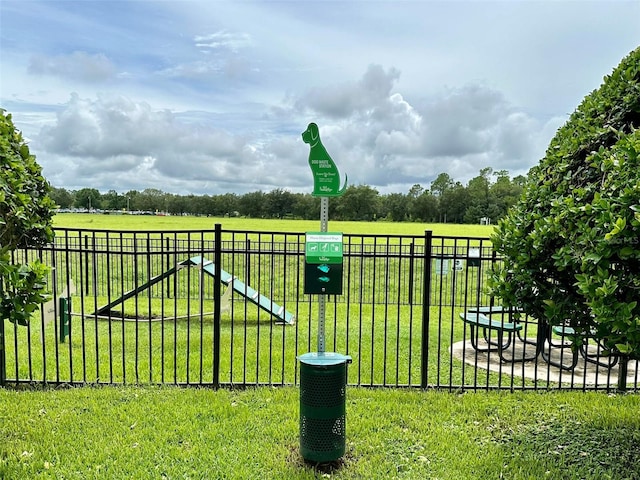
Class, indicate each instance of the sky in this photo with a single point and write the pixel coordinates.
(211, 97)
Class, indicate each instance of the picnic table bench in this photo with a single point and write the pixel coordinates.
(479, 320)
(500, 319)
(565, 331)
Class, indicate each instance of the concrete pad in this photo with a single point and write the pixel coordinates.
(585, 373)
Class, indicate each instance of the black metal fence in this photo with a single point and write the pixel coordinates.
(226, 308)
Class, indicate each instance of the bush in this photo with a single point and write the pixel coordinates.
(571, 245)
(26, 211)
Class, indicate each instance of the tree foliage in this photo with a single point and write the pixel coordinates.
(445, 201)
(358, 203)
(571, 245)
(25, 220)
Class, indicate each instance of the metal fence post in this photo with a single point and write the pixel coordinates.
(86, 265)
(247, 256)
(412, 253)
(167, 249)
(3, 358)
(426, 309)
(622, 374)
(217, 255)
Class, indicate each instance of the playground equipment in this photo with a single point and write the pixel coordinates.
(246, 291)
(232, 283)
(58, 307)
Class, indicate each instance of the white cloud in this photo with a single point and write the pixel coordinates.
(378, 138)
(216, 94)
(78, 65)
(116, 137)
(340, 101)
(233, 41)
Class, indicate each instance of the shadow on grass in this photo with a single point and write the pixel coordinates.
(324, 468)
(579, 449)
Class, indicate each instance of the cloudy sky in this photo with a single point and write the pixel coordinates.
(212, 96)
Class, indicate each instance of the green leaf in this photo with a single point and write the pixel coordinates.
(623, 347)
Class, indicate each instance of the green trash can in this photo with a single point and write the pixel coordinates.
(323, 385)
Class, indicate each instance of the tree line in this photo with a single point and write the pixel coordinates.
(486, 196)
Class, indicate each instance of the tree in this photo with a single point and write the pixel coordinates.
(252, 204)
(177, 204)
(227, 204)
(357, 203)
(570, 246)
(306, 206)
(441, 184)
(152, 200)
(61, 197)
(131, 197)
(478, 188)
(394, 206)
(454, 203)
(26, 211)
(113, 201)
(279, 203)
(415, 191)
(424, 208)
(88, 198)
(503, 193)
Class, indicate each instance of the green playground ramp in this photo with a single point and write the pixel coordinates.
(207, 266)
(245, 290)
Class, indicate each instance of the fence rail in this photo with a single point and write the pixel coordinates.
(142, 312)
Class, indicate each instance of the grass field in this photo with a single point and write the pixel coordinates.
(382, 336)
(172, 433)
(382, 331)
(385, 350)
(150, 432)
(169, 223)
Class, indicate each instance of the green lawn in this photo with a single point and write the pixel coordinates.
(171, 433)
(170, 223)
(382, 337)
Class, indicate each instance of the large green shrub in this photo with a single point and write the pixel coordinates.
(25, 221)
(571, 245)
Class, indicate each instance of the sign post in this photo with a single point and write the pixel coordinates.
(323, 375)
(326, 183)
(322, 301)
(323, 272)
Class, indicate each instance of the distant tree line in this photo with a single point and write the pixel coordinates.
(487, 195)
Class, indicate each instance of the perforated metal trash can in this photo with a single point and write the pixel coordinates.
(323, 385)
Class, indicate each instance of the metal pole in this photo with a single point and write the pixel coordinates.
(426, 308)
(622, 374)
(324, 214)
(3, 357)
(322, 301)
(217, 262)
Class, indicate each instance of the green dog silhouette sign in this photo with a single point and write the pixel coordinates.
(326, 178)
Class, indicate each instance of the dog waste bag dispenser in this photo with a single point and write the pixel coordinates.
(323, 379)
(323, 263)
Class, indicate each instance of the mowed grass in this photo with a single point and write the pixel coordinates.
(384, 340)
(170, 223)
(151, 432)
(174, 433)
(252, 351)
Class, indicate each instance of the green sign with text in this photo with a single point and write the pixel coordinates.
(323, 263)
(326, 178)
(323, 247)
